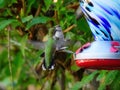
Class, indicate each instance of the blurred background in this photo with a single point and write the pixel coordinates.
(20, 61)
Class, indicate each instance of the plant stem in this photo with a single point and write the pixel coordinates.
(69, 28)
(9, 57)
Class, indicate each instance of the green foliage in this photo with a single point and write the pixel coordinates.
(37, 20)
(23, 17)
(29, 5)
(26, 19)
(108, 77)
(3, 3)
(115, 85)
(84, 81)
(5, 23)
(48, 3)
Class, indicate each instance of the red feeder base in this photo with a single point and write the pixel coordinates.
(103, 55)
(106, 64)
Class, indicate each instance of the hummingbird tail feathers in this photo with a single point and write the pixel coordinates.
(50, 67)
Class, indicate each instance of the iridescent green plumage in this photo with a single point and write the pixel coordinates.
(50, 50)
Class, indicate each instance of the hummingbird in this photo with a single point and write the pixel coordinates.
(50, 48)
(55, 43)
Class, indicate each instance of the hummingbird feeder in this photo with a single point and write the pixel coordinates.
(104, 21)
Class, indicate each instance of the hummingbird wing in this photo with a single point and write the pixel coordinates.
(37, 44)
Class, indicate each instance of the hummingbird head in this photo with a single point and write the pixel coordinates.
(58, 33)
(58, 28)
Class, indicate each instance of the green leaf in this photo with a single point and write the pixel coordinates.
(4, 23)
(18, 60)
(70, 35)
(17, 64)
(85, 80)
(76, 45)
(83, 25)
(23, 45)
(37, 20)
(30, 3)
(116, 83)
(3, 3)
(6, 81)
(110, 77)
(3, 61)
(102, 86)
(48, 3)
(11, 2)
(26, 19)
(101, 75)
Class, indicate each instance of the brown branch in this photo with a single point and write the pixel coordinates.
(54, 80)
(38, 10)
(73, 6)
(69, 28)
(56, 17)
(23, 4)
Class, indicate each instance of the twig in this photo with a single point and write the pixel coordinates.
(56, 17)
(9, 57)
(72, 6)
(47, 77)
(24, 8)
(69, 28)
(38, 10)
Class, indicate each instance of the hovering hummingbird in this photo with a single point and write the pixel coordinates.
(50, 48)
(55, 42)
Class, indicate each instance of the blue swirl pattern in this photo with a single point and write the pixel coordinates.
(103, 17)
